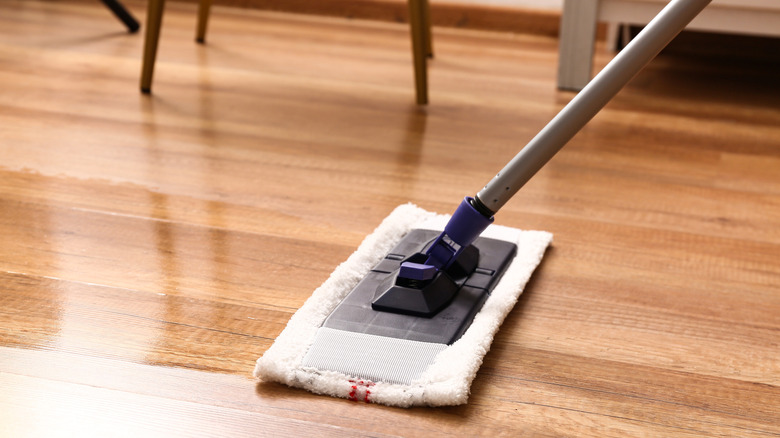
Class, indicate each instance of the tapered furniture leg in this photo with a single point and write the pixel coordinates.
(119, 10)
(419, 51)
(153, 24)
(203, 19)
(425, 10)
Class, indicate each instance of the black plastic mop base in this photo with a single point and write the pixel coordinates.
(355, 313)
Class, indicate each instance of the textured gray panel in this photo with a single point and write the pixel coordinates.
(370, 357)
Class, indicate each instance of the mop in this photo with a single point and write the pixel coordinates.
(407, 319)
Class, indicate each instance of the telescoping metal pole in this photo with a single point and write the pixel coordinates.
(475, 214)
(600, 90)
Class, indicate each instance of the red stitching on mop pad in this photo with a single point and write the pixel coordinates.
(353, 394)
(364, 385)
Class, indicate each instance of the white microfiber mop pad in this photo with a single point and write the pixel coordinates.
(448, 371)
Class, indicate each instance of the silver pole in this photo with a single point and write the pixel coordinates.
(600, 90)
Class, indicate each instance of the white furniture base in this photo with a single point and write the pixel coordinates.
(580, 17)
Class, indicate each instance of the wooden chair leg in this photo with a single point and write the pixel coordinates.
(425, 10)
(419, 51)
(203, 18)
(153, 23)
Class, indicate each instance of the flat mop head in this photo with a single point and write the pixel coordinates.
(338, 344)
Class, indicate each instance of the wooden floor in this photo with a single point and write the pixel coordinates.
(154, 246)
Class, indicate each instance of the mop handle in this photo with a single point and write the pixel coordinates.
(600, 90)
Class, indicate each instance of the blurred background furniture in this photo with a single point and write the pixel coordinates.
(580, 18)
(119, 10)
(419, 23)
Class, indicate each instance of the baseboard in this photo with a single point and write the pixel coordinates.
(466, 16)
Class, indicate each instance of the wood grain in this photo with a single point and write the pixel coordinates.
(154, 246)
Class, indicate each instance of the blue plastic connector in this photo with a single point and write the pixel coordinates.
(463, 228)
(417, 271)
